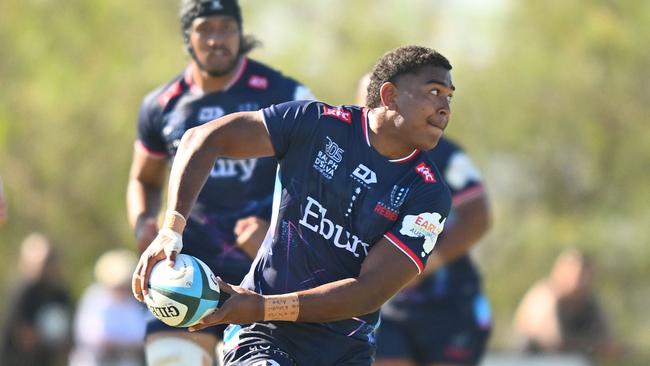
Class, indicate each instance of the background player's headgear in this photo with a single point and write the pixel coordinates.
(192, 9)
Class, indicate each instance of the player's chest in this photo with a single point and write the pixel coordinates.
(360, 187)
(191, 111)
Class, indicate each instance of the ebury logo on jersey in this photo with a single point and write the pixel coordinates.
(230, 168)
(427, 225)
(364, 175)
(314, 219)
(337, 112)
(209, 113)
(328, 161)
(425, 172)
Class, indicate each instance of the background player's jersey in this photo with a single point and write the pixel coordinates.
(235, 188)
(458, 279)
(339, 196)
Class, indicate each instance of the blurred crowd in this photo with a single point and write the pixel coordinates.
(43, 325)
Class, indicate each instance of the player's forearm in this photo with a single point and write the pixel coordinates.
(334, 301)
(192, 164)
(142, 202)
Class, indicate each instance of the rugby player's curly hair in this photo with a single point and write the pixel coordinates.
(400, 61)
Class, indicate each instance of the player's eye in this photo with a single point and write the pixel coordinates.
(435, 92)
(450, 97)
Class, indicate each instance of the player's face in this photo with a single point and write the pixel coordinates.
(215, 40)
(424, 103)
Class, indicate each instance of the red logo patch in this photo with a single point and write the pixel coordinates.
(384, 211)
(340, 113)
(258, 82)
(425, 172)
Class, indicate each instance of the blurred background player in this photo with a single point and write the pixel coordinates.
(442, 317)
(231, 216)
(562, 314)
(109, 324)
(37, 330)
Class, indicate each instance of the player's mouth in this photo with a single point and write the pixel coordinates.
(438, 124)
(220, 53)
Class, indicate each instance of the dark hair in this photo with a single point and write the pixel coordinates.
(192, 9)
(400, 61)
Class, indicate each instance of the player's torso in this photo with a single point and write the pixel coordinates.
(339, 198)
(236, 187)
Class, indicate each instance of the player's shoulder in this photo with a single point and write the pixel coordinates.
(262, 76)
(429, 181)
(323, 111)
(427, 170)
(159, 97)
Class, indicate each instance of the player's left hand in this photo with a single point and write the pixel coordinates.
(242, 307)
(250, 232)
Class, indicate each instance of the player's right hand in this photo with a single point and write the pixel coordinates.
(167, 244)
(243, 306)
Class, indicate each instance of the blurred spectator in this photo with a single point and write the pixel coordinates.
(561, 312)
(110, 323)
(37, 329)
(3, 205)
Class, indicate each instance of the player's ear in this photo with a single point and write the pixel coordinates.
(388, 94)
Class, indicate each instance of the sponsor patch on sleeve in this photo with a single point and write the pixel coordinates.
(427, 225)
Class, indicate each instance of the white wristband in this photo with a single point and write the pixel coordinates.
(175, 242)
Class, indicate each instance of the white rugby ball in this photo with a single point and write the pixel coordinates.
(182, 295)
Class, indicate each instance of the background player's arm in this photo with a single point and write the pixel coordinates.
(384, 272)
(472, 221)
(146, 180)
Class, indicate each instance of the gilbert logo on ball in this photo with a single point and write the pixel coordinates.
(182, 295)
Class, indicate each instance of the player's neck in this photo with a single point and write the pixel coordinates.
(209, 84)
(384, 137)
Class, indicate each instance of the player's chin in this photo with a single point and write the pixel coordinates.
(431, 139)
(220, 66)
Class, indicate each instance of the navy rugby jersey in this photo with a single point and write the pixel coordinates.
(339, 196)
(458, 279)
(235, 188)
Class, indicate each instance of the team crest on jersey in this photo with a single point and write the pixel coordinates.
(209, 113)
(425, 172)
(258, 82)
(427, 225)
(338, 112)
(391, 209)
(328, 161)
